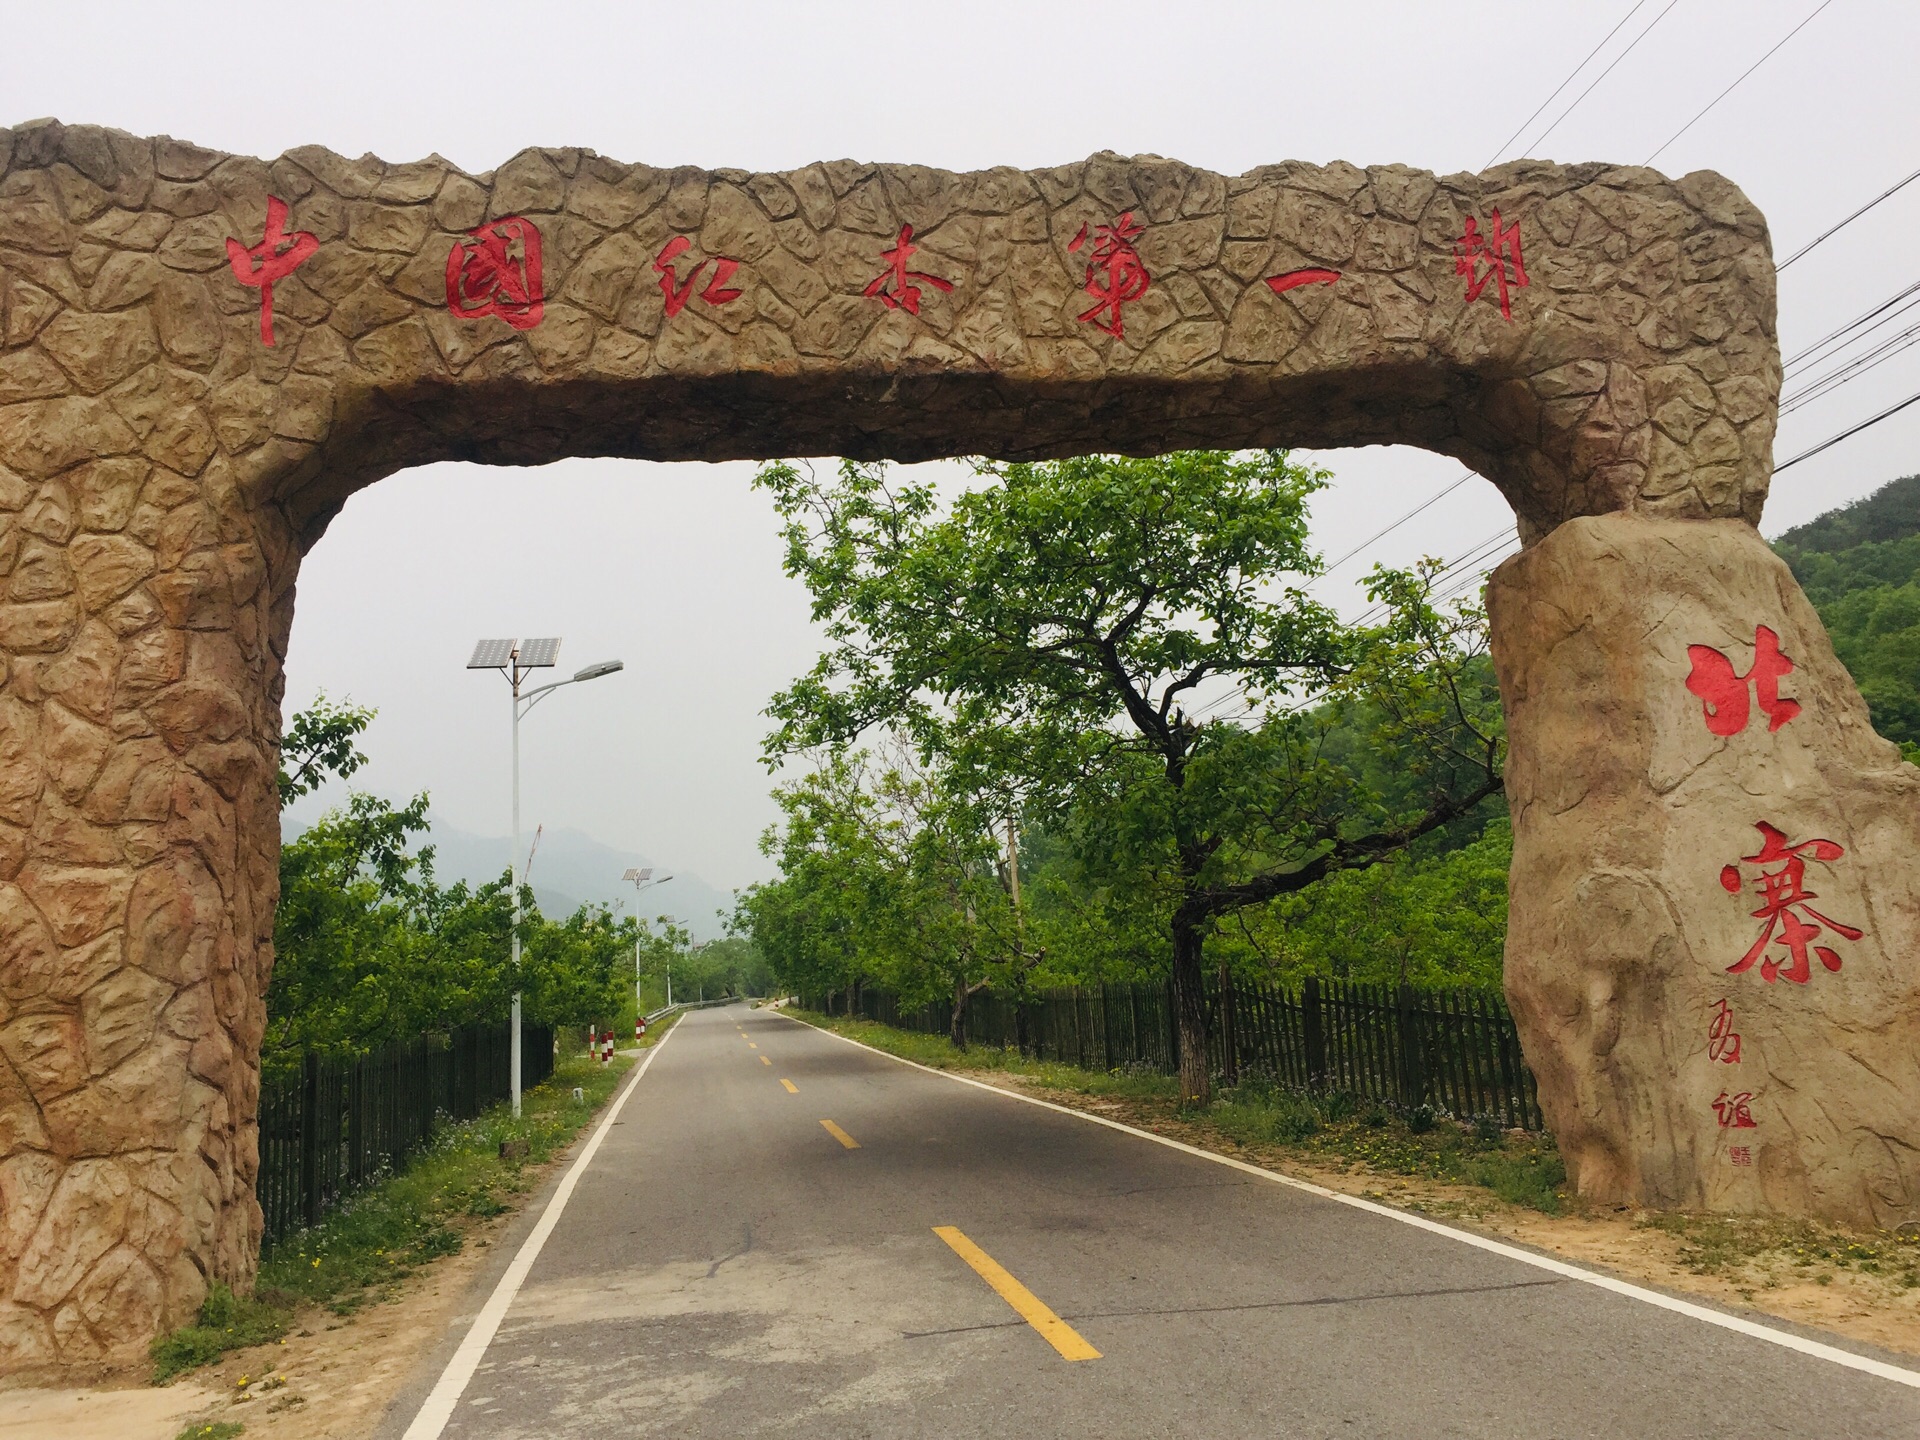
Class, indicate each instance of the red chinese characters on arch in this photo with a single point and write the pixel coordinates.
(1293, 279)
(1724, 693)
(678, 291)
(1491, 257)
(1786, 911)
(496, 271)
(1116, 275)
(277, 256)
(897, 287)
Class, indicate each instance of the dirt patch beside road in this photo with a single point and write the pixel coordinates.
(1859, 1285)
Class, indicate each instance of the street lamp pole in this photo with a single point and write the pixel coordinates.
(642, 879)
(515, 659)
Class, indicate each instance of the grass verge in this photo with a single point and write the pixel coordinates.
(1521, 1169)
(361, 1252)
(1757, 1252)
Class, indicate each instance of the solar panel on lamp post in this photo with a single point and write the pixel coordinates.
(642, 880)
(516, 659)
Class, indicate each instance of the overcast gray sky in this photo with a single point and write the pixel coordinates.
(675, 569)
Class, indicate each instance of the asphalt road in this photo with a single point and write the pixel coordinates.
(729, 1266)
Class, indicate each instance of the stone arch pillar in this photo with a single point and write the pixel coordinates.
(202, 356)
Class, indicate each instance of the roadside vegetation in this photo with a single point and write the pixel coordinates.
(360, 1253)
(1256, 1120)
(1860, 565)
(1110, 669)
(369, 947)
(1758, 1253)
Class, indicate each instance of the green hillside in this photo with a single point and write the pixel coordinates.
(1860, 565)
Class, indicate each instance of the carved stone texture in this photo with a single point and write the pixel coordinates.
(1635, 892)
(202, 356)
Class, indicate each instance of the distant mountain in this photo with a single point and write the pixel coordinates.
(1891, 513)
(1860, 566)
(570, 869)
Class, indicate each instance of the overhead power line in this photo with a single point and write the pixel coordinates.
(1540, 139)
(1845, 374)
(1382, 534)
(1826, 235)
(1847, 434)
(1824, 347)
(1736, 84)
(1564, 83)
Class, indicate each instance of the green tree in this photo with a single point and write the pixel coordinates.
(319, 745)
(369, 947)
(1860, 566)
(1056, 623)
(901, 871)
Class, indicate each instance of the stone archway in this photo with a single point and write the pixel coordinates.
(202, 356)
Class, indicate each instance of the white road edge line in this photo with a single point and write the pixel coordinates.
(1783, 1338)
(437, 1409)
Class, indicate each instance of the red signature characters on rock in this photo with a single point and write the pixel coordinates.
(1116, 275)
(896, 287)
(1785, 907)
(678, 291)
(1724, 693)
(1498, 253)
(277, 256)
(1723, 1042)
(1734, 1112)
(496, 271)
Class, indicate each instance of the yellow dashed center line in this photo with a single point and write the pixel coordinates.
(765, 1061)
(837, 1133)
(792, 1089)
(1055, 1331)
(752, 1046)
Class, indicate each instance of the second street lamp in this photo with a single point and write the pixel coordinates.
(642, 881)
(516, 659)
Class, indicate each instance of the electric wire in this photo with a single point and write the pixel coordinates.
(1827, 235)
(1736, 84)
(1464, 476)
(1812, 351)
(1540, 139)
(1844, 375)
(1847, 434)
(1571, 76)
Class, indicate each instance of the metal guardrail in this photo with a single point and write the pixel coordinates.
(694, 1005)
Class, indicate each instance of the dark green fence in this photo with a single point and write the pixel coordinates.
(1453, 1050)
(332, 1126)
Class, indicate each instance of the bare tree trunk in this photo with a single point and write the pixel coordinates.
(1190, 1010)
(957, 1030)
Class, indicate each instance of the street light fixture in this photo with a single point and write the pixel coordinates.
(643, 880)
(516, 659)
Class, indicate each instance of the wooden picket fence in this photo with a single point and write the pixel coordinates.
(1455, 1051)
(331, 1126)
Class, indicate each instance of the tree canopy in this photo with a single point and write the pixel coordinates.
(1860, 565)
(370, 947)
(1063, 634)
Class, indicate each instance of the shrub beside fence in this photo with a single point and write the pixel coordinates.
(1453, 1050)
(333, 1126)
